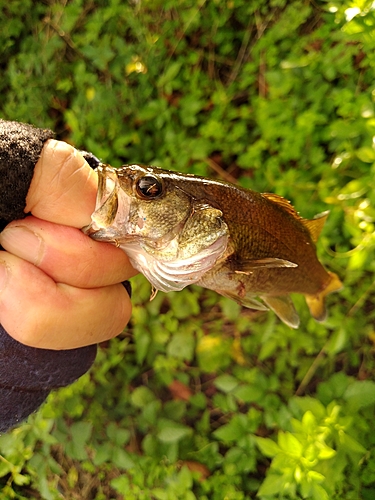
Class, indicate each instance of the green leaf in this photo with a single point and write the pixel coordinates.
(102, 453)
(169, 74)
(315, 476)
(5, 468)
(268, 447)
(289, 444)
(172, 432)
(80, 433)
(268, 348)
(213, 352)
(143, 341)
(181, 345)
(308, 404)
(226, 383)
(337, 341)
(141, 396)
(325, 452)
(308, 422)
(351, 445)
(117, 434)
(360, 394)
(160, 494)
(272, 485)
(228, 433)
(21, 479)
(366, 155)
(122, 459)
(238, 427)
(249, 393)
(120, 484)
(319, 493)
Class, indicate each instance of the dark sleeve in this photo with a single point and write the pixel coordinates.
(27, 375)
(20, 148)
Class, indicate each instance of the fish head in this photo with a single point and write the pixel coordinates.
(169, 236)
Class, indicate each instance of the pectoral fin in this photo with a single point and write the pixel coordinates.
(249, 266)
(284, 308)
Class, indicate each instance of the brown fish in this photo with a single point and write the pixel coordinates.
(179, 229)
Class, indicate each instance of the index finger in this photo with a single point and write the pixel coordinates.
(66, 254)
(63, 188)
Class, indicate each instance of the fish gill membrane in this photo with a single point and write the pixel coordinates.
(179, 229)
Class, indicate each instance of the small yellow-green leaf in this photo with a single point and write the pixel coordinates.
(308, 421)
(272, 485)
(268, 447)
(367, 155)
(315, 476)
(290, 444)
(325, 453)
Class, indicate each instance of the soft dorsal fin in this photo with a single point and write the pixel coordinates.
(283, 202)
(316, 224)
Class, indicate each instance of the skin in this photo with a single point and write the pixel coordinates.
(59, 289)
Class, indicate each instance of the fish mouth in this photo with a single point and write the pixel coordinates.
(111, 209)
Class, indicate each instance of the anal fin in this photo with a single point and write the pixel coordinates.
(246, 301)
(284, 308)
(252, 303)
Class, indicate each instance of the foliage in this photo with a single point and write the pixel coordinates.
(198, 398)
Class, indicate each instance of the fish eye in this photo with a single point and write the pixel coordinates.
(149, 187)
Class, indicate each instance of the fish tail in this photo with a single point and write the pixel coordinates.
(316, 303)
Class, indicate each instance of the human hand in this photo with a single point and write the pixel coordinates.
(59, 289)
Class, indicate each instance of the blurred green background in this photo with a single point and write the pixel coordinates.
(199, 399)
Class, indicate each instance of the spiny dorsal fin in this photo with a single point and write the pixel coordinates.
(315, 225)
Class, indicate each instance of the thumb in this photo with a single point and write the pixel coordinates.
(63, 188)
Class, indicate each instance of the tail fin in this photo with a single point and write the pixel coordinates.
(316, 302)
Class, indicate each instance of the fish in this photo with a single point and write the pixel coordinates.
(181, 229)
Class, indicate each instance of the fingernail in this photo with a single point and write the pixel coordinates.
(4, 275)
(128, 288)
(24, 243)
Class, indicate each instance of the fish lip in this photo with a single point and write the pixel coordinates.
(111, 209)
(105, 174)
